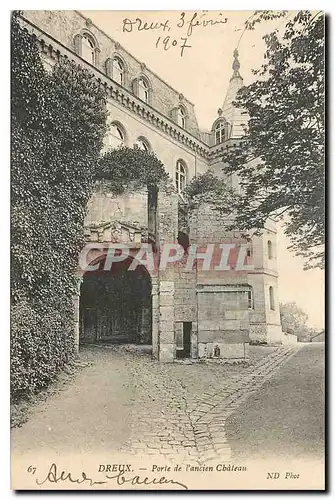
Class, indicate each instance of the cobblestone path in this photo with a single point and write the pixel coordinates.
(123, 402)
(184, 408)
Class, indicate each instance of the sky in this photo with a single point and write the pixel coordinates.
(202, 72)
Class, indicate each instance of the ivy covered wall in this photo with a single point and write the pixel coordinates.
(58, 123)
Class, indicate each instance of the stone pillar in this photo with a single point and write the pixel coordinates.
(153, 222)
(155, 318)
(167, 224)
(194, 340)
(166, 322)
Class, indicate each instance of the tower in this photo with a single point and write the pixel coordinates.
(264, 314)
(233, 115)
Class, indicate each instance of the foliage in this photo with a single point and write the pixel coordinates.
(313, 332)
(131, 169)
(41, 344)
(58, 124)
(208, 189)
(294, 319)
(263, 15)
(280, 162)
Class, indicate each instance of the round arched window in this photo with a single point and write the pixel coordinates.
(220, 132)
(88, 49)
(118, 70)
(142, 144)
(181, 117)
(180, 176)
(272, 298)
(116, 136)
(143, 90)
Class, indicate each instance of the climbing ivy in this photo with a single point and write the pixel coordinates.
(208, 189)
(130, 169)
(58, 124)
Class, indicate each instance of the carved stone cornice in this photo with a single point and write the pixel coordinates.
(116, 231)
(219, 150)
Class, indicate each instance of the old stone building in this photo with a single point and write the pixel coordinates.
(182, 312)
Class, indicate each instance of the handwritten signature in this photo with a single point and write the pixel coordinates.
(54, 476)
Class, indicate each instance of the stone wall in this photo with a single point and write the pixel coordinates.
(104, 207)
(222, 295)
(290, 339)
(168, 149)
(64, 25)
(223, 322)
(219, 316)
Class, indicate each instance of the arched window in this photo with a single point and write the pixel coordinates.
(88, 49)
(143, 90)
(270, 253)
(118, 70)
(180, 176)
(116, 136)
(272, 298)
(181, 117)
(142, 143)
(250, 299)
(220, 132)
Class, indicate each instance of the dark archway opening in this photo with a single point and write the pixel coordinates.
(184, 241)
(115, 305)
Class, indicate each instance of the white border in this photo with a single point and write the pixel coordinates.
(327, 6)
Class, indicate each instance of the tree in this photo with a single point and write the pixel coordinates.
(294, 320)
(280, 161)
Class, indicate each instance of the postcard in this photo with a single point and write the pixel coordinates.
(167, 250)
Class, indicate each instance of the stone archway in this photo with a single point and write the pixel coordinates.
(116, 305)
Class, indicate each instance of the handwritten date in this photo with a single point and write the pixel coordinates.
(191, 21)
(186, 24)
(169, 42)
(197, 20)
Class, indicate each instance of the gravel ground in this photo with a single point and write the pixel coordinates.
(123, 401)
(285, 418)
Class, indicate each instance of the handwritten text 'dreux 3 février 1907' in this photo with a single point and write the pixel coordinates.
(186, 22)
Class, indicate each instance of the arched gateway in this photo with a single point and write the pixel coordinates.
(116, 305)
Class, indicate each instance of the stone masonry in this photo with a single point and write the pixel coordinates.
(182, 420)
(196, 313)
